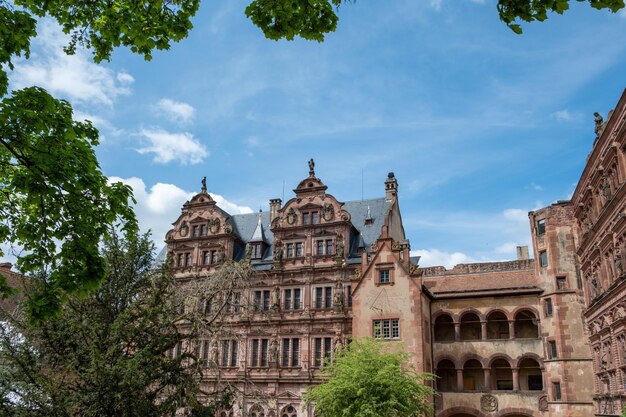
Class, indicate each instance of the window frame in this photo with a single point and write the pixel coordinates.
(543, 259)
(386, 329)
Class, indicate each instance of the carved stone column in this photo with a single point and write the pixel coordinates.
(457, 332)
(487, 379)
(512, 329)
(515, 372)
(459, 380)
(483, 330)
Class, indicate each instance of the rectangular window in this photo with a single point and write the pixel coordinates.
(206, 350)
(548, 307)
(328, 297)
(259, 352)
(348, 292)
(387, 329)
(297, 305)
(305, 218)
(315, 219)
(213, 256)
(556, 391)
(561, 283)
(187, 259)
(318, 352)
(287, 300)
(263, 360)
(255, 353)
(320, 247)
(203, 230)
(543, 259)
(291, 352)
(292, 299)
(289, 250)
(329, 247)
(205, 257)
(195, 231)
(225, 352)
(323, 349)
(552, 352)
(319, 297)
(299, 249)
(234, 303)
(179, 261)
(234, 350)
(383, 276)
(541, 227)
(266, 300)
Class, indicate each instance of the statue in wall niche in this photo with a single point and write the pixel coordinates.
(338, 300)
(593, 287)
(338, 345)
(606, 188)
(339, 248)
(598, 121)
(273, 351)
(278, 251)
(619, 268)
(275, 299)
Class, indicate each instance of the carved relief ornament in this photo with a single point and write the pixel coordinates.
(328, 212)
(291, 216)
(214, 225)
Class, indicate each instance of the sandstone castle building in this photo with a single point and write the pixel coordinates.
(541, 337)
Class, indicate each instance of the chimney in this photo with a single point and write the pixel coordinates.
(391, 187)
(522, 253)
(274, 207)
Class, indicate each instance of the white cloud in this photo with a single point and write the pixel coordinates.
(97, 121)
(436, 4)
(435, 257)
(533, 186)
(563, 115)
(160, 205)
(507, 248)
(75, 77)
(175, 110)
(169, 147)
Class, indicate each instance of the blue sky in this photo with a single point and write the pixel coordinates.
(479, 125)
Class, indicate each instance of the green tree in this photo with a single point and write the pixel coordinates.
(367, 380)
(105, 354)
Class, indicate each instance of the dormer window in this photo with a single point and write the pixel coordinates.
(203, 230)
(195, 231)
(315, 218)
(257, 251)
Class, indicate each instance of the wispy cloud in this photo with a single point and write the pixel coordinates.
(75, 77)
(175, 111)
(173, 147)
(563, 115)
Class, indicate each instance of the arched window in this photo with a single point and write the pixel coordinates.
(530, 377)
(497, 326)
(444, 328)
(473, 376)
(470, 327)
(256, 411)
(446, 376)
(289, 411)
(526, 325)
(501, 375)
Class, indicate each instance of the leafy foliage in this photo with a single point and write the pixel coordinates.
(309, 19)
(104, 354)
(511, 11)
(365, 380)
(54, 200)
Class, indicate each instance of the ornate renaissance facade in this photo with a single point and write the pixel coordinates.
(326, 271)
